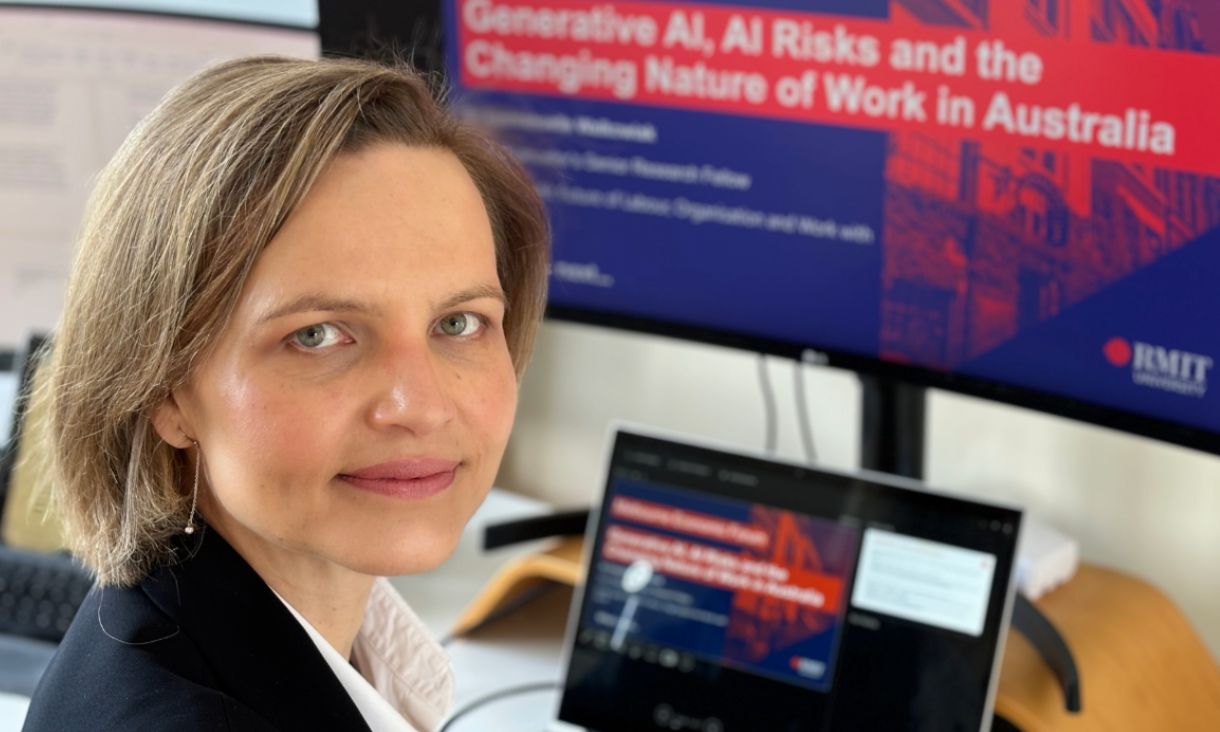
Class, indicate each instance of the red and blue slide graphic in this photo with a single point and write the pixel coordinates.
(1020, 191)
(756, 588)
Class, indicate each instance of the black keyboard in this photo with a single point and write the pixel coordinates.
(39, 593)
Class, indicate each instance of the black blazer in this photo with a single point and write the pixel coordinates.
(200, 645)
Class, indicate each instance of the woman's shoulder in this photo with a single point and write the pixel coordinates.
(171, 705)
(124, 664)
(201, 643)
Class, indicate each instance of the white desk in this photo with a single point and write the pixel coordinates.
(12, 711)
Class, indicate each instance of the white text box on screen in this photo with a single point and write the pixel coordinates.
(924, 581)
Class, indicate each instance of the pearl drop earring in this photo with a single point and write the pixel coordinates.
(190, 522)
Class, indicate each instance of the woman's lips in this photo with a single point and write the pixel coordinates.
(404, 478)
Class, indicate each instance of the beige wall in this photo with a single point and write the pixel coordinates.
(1144, 507)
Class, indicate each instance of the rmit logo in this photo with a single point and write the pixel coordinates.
(1118, 351)
(1158, 367)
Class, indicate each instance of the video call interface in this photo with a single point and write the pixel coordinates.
(728, 593)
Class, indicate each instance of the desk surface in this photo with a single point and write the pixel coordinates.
(12, 711)
(1142, 667)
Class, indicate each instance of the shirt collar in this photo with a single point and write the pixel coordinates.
(404, 682)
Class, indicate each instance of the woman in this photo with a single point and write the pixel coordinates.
(287, 366)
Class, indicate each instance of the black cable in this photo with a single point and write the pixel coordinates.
(497, 696)
(522, 599)
(802, 411)
(771, 416)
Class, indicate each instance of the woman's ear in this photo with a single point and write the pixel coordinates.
(171, 424)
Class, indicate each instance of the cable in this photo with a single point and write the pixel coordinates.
(802, 411)
(497, 696)
(770, 414)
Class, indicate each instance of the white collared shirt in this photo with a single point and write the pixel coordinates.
(404, 683)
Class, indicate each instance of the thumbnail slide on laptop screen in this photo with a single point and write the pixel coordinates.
(729, 593)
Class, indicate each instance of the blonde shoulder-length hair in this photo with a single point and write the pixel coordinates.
(170, 234)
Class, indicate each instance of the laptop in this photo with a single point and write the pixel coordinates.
(728, 592)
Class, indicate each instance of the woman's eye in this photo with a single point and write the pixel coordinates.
(319, 335)
(460, 324)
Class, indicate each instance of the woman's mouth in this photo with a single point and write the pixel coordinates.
(411, 479)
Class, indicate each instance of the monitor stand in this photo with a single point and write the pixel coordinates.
(892, 426)
(892, 429)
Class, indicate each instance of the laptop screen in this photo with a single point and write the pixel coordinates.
(730, 593)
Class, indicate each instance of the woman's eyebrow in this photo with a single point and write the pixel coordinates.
(321, 303)
(312, 303)
(474, 293)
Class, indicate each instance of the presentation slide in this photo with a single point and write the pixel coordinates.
(1025, 192)
(742, 585)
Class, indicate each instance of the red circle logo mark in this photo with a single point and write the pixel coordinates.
(1118, 351)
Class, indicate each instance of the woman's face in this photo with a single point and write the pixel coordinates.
(356, 407)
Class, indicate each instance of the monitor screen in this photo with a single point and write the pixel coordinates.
(734, 593)
(1017, 199)
(292, 13)
(75, 79)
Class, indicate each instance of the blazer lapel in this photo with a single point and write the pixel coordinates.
(259, 652)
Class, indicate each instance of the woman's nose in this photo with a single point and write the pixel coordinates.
(412, 392)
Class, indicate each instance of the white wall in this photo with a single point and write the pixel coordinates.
(1144, 507)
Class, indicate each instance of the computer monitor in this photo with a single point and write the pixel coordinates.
(9, 384)
(727, 592)
(15, 391)
(76, 76)
(1017, 200)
